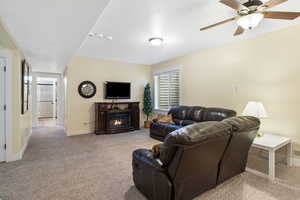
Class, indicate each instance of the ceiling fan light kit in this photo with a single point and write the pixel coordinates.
(250, 21)
(251, 13)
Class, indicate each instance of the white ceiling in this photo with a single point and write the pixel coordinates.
(49, 32)
(132, 22)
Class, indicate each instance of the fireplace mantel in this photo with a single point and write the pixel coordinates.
(116, 117)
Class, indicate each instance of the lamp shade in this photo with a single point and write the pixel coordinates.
(255, 109)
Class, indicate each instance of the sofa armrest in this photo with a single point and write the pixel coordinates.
(149, 177)
(146, 157)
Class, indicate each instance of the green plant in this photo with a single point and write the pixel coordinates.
(148, 107)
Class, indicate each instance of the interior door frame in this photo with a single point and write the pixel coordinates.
(60, 106)
(2, 117)
(7, 55)
(54, 99)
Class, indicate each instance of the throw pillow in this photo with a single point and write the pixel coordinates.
(167, 119)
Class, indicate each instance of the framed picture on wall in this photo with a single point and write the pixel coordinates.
(24, 87)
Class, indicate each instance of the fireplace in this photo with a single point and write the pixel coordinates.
(126, 117)
(119, 120)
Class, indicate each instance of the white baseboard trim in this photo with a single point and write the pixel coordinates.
(26, 142)
(296, 162)
(257, 173)
(18, 156)
(83, 132)
(13, 157)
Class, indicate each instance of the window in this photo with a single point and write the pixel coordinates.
(166, 89)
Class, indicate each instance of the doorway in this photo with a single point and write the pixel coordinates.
(47, 101)
(2, 109)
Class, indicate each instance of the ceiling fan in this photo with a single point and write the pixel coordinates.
(251, 13)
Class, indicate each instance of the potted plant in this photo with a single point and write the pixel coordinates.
(148, 107)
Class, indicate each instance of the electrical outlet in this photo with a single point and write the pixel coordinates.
(235, 89)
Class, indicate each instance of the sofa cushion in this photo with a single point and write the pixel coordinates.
(195, 113)
(180, 122)
(179, 112)
(187, 122)
(217, 114)
(168, 128)
(189, 135)
(243, 123)
(163, 129)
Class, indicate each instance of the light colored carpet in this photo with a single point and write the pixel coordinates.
(90, 167)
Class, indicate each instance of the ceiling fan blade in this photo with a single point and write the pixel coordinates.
(239, 31)
(281, 15)
(234, 4)
(272, 3)
(219, 23)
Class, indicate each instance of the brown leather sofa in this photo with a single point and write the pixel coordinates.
(194, 159)
(187, 115)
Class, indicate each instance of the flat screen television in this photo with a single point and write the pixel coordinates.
(116, 90)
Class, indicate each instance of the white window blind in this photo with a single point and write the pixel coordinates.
(167, 90)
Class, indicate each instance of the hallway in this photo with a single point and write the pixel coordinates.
(50, 122)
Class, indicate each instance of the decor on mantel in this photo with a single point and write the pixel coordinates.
(148, 106)
(255, 109)
(24, 87)
(87, 89)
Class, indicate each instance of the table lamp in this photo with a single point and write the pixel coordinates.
(255, 109)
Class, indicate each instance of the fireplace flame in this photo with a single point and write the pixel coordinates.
(118, 122)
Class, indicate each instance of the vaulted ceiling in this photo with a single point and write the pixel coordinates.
(132, 22)
(50, 32)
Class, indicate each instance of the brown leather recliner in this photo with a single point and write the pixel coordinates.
(244, 131)
(193, 159)
(187, 115)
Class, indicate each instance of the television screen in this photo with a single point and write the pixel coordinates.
(116, 90)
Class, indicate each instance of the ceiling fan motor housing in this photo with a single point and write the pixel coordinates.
(253, 3)
(252, 6)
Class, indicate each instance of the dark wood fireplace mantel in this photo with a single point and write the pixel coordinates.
(116, 117)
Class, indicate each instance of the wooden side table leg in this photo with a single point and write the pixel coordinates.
(289, 155)
(272, 164)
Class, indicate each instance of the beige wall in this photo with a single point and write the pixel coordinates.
(80, 111)
(5, 40)
(265, 68)
(21, 123)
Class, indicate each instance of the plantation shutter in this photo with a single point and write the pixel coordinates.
(168, 90)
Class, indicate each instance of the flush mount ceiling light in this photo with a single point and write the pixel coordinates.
(100, 36)
(156, 41)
